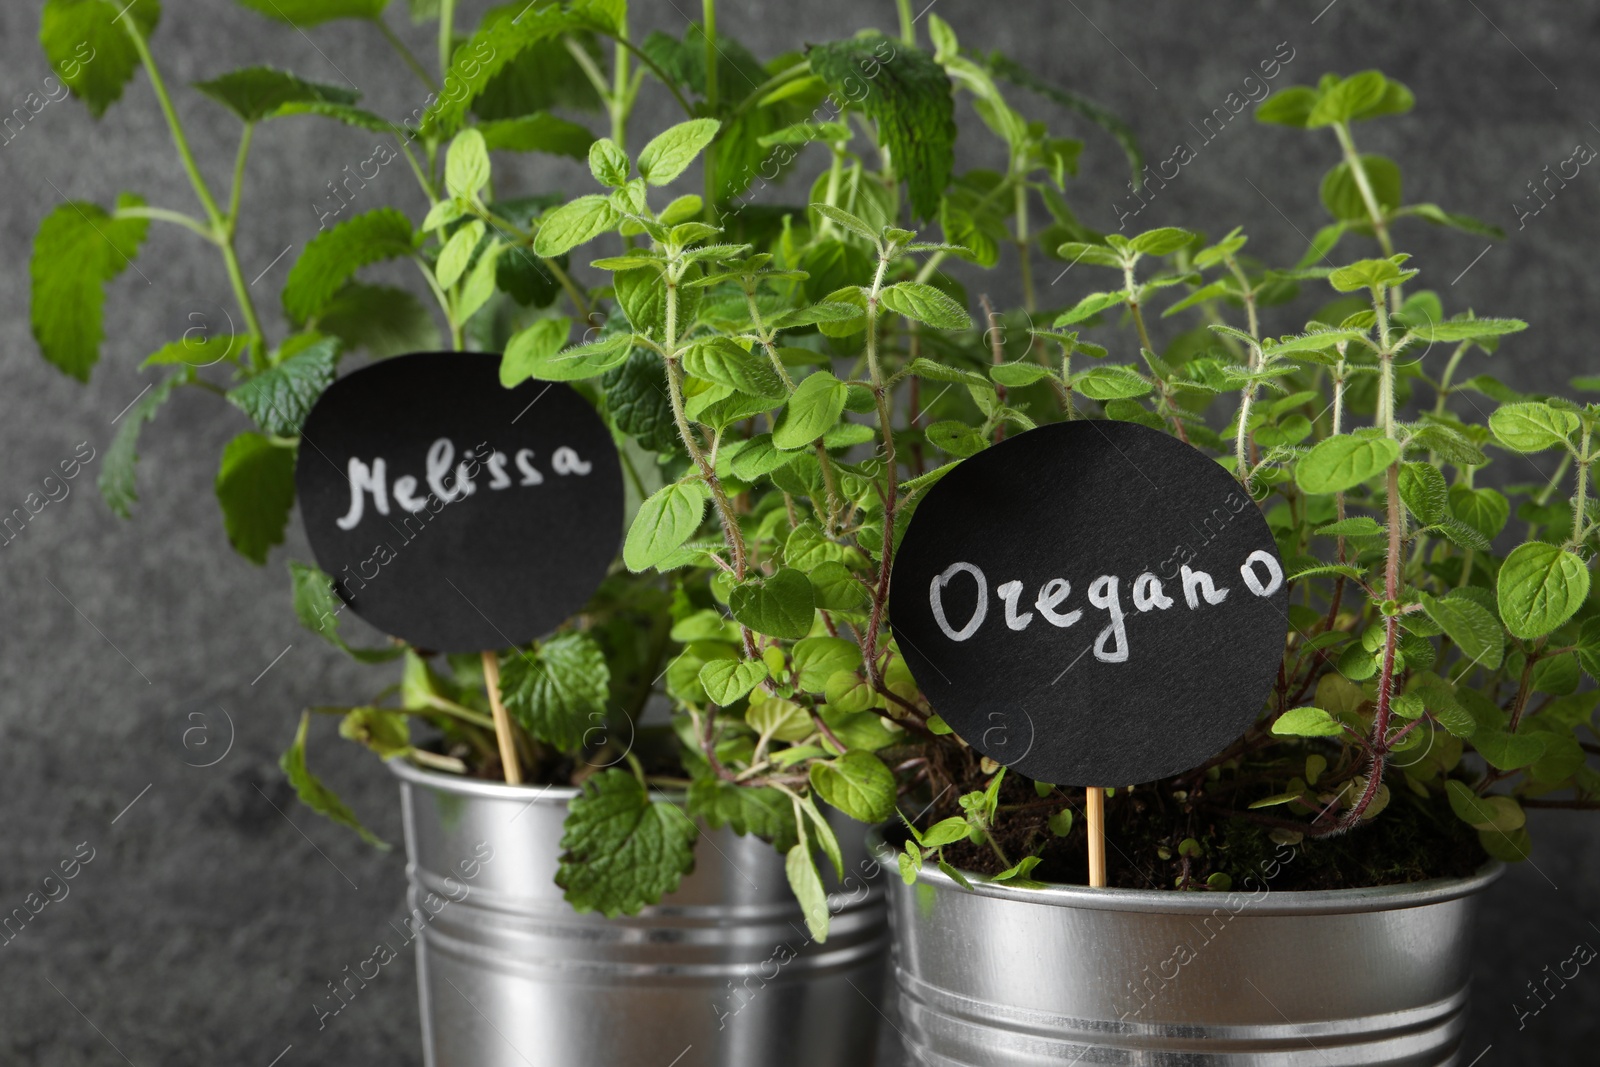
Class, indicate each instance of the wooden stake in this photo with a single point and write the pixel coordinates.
(502, 721)
(1096, 810)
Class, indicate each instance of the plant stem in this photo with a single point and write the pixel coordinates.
(1580, 501)
(621, 101)
(908, 23)
(1449, 372)
(178, 218)
(237, 190)
(447, 35)
(880, 594)
(406, 54)
(708, 30)
(1024, 251)
(1358, 171)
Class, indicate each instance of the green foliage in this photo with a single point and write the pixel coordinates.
(256, 93)
(557, 690)
(255, 486)
(332, 258)
(316, 796)
(90, 50)
(621, 849)
(78, 249)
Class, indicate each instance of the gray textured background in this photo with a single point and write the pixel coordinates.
(206, 923)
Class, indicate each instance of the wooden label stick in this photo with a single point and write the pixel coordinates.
(502, 724)
(1096, 810)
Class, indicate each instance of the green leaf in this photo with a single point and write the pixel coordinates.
(816, 659)
(255, 486)
(856, 225)
(334, 255)
(780, 606)
(927, 305)
(1342, 196)
(670, 152)
(1540, 587)
(806, 883)
(318, 609)
(621, 850)
(384, 320)
(1306, 722)
(909, 96)
(539, 132)
(609, 163)
(116, 479)
(1451, 330)
(726, 681)
(1348, 98)
(762, 811)
(836, 589)
(89, 49)
(1111, 383)
(1485, 510)
(1343, 462)
(1507, 751)
(466, 165)
(575, 223)
(1360, 526)
(813, 409)
(457, 253)
(858, 784)
(1423, 491)
(1531, 427)
(778, 718)
(386, 732)
(1161, 242)
(1288, 107)
(1095, 255)
(316, 796)
(667, 519)
(78, 249)
(1471, 626)
(1374, 274)
(1454, 220)
(956, 438)
(722, 360)
(314, 12)
(280, 397)
(530, 358)
(257, 93)
(1020, 374)
(558, 690)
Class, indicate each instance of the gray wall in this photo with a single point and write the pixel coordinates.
(215, 909)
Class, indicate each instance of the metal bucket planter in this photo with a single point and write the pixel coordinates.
(721, 973)
(1003, 977)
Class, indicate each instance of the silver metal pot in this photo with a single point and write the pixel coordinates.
(998, 977)
(721, 973)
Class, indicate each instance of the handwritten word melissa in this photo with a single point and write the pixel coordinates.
(1111, 646)
(447, 480)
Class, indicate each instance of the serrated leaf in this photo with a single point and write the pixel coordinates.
(1306, 722)
(858, 784)
(666, 519)
(539, 132)
(1018, 375)
(1485, 510)
(1531, 427)
(457, 253)
(726, 681)
(1111, 383)
(1343, 462)
(316, 796)
(256, 93)
(116, 481)
(927, 305)
(255, 486)
(575, 223)
(812, 410)
(333, 256)
(1540, 587)
(780, 606)
(466, 165)
(1360, 526)
(1423, 491)
(1451, 330)
(529, 357)
(557, 690)
(670, 152)
(762, 811)
(78, 249)
(816, 659)
(1475, 631)
(279, 398)
(88, 48)
(609, 163)
(622, 850)
(383, 320)
(318, 609)
(719, 359)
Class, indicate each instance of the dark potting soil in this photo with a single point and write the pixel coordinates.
(1412, 840)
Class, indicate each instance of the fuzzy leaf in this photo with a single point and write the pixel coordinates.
(667, 519)
(1471, 626)
(670, 152)
(1540, 587)
(927, 305)
(780, 606)
(89, 49)
(727, 681)
(1343, 462)
(255, 486)
(558, 690)
(279, 398)
(78, 249)
(334, 255)
(621, 850)
(256, 93)
(858, 784)
(572, 224)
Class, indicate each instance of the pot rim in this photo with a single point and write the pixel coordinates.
(460, 785)
(1263, 902)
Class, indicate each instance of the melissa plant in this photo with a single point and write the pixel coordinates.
(787, 371)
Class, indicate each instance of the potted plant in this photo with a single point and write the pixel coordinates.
(553, 916)
(1428, 691)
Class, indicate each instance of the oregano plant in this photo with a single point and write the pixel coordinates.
(788, 370)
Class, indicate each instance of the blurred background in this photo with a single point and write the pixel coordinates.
(149, 677)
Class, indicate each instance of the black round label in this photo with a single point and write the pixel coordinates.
(455, 513)
(1091, 603)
